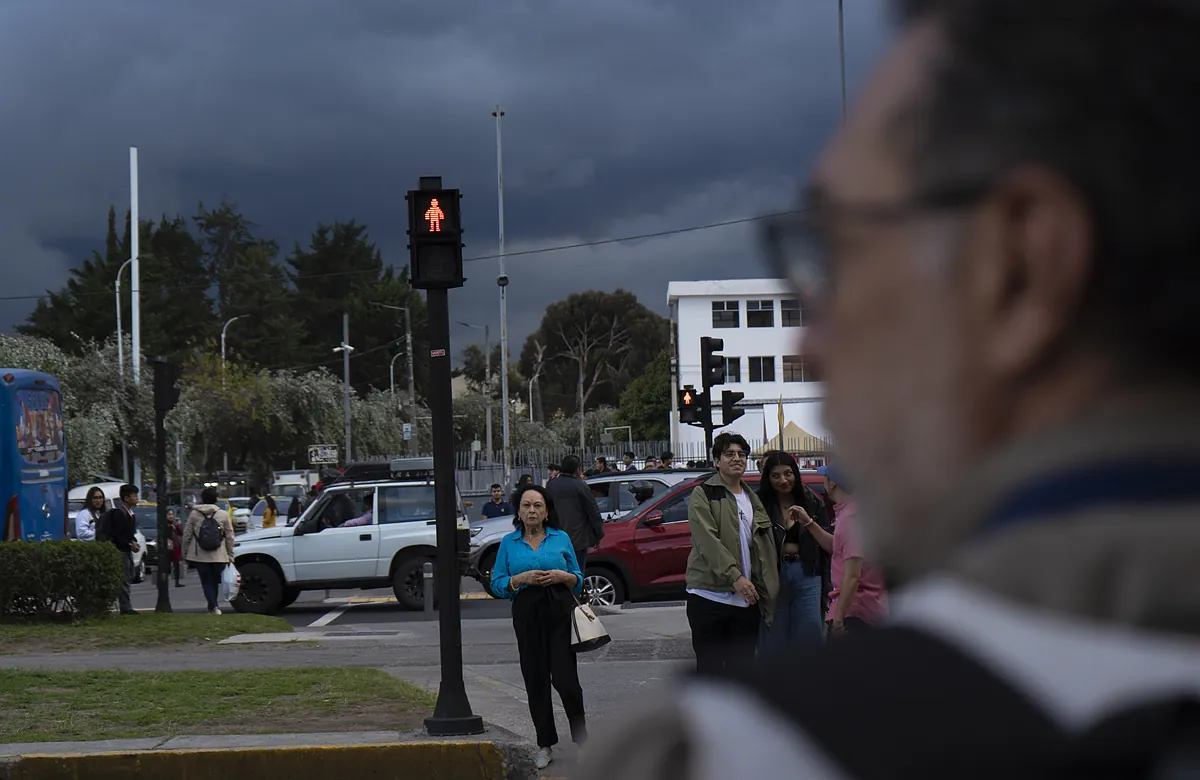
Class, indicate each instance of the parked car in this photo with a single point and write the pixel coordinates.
(617, 493)
(643, 555)
(282, 504)
(112, 493)
(317, 553)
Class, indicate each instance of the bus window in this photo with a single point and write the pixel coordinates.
(33, 457)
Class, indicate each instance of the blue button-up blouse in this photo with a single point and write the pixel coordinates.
(517, 557)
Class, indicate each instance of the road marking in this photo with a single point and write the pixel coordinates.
(329, 616)
(352, 600)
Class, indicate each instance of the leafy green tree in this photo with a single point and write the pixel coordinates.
(646, 402)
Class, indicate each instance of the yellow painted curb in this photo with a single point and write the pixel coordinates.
(443, 760)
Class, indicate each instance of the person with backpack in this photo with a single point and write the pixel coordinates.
(208, 544)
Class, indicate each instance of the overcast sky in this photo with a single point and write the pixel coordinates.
(623, 117)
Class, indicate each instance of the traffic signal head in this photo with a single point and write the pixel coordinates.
(166, 393)
(434, 236)
(712, 363)
(689, 405)
(729, 409)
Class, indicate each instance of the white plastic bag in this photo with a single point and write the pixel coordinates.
(231, 582)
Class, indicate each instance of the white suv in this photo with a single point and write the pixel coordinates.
(319, 553)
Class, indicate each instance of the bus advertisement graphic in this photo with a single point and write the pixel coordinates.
(40, 426)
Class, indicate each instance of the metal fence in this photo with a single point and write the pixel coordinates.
(476, 472)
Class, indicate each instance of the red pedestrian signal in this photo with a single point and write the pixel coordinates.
(434, 216)
(689, 405)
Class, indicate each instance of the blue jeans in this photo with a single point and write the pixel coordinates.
(210, 581)
(798, 611)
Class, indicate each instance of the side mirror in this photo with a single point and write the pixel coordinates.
(653, 519)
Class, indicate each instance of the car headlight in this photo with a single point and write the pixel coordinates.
(476, 531)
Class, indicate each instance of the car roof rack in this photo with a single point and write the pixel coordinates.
(397, 468)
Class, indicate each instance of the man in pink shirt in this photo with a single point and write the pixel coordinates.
(858, 599)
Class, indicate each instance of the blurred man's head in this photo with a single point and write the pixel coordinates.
(1000, 237)
(571, 465)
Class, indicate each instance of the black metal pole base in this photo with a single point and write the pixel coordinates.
(454, 727)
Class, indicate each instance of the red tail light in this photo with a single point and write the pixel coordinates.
(12, 521)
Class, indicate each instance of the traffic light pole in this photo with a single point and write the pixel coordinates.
(452, 716)
(435, 265)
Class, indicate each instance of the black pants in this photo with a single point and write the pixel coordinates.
(581, 559)
(177, 568)
(852, 625)
(210, 581)
(723, 636)
(542, 621)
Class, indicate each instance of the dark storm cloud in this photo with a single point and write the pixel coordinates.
(623, 117)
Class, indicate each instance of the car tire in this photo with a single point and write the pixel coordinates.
(487, 562)
(408, 583)
(289, 597)
(262, 591)
(604, 587)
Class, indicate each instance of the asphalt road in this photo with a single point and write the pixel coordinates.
(318, 608)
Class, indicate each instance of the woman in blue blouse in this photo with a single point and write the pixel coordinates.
(536, 568)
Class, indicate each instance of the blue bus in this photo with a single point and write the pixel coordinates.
(33, 457)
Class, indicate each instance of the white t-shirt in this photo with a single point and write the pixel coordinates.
(745, 528)
(85, 525)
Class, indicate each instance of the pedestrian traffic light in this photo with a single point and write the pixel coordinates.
(712, 363)
(689, 405)
(434, 236)
(166, 393)
(729, 408)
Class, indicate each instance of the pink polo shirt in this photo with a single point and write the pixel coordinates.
(870, 602)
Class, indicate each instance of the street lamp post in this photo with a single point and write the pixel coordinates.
(230, 321)
(487, 358)
(628, 428)
(502, 281)
(121, 366)
(135, 316)
(412, 380)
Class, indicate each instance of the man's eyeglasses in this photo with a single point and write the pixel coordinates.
(797, 243)
(734, 455)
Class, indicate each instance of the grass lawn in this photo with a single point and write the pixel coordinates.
(147, 629)
(51, 706)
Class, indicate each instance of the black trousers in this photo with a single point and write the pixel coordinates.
(542, 621)
(581, 559)
(724, 637)
(210, 581)
(177, 568)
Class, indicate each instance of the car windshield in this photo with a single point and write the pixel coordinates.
(240, 503)
(147, 517)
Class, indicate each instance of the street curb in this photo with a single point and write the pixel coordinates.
(443, 760)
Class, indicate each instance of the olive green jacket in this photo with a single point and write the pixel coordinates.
(715, 562)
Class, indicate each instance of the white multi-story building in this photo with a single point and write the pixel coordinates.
(762, 325)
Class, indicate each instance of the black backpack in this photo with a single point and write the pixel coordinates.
(210, 536)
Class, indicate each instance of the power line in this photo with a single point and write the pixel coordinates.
(523, 252)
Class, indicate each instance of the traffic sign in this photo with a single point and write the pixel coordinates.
(322, 454)
(407, 431)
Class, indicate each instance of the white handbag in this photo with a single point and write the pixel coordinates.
(587, 632)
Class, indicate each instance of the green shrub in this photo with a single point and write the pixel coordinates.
(48, 580)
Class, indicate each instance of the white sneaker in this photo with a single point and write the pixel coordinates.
(215, 611)
(544, 757)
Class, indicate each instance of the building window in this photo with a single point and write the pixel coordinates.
(760, 314)
(725, 314)
(733, 369)
(762, 369)
(798, 369)
(791, 313)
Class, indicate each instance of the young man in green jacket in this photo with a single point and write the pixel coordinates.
(732, 575)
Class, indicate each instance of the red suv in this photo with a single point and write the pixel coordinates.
(644, 554)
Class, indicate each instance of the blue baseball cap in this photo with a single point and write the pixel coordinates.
(831, 473)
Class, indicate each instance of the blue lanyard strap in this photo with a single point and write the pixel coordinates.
(1148, 481)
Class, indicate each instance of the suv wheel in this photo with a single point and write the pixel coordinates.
(408, 582)
(261, 592)
(603, 587)
(486, 564)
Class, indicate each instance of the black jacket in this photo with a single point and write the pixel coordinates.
(577, 511)
(120, 528)
(813, 559)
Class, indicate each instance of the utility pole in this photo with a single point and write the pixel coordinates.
(225, 455)
(165, 397)
(842, 56)
(412, 377)
(502, 281)
(346, 349)
(135, 289)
